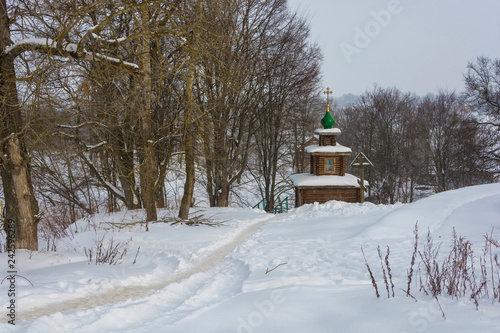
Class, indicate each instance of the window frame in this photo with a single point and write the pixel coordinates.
(331, 165)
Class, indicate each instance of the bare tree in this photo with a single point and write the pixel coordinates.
(482, 83)
(303, 119)
(292, 70)
(455, 142)
(435, 140)
(253, 61)
(190, 110)
(231, 90)
(20, 202)
(483, 89)
(21, 205)
(377, 128)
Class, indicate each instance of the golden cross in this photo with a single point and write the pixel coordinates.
(328, 92)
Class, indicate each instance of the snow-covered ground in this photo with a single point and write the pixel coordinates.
(213, 279)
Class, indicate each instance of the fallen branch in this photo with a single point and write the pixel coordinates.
(194, 221)
(135, 259)
(270, 270)
(408, 294)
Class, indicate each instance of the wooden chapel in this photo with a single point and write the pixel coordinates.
(327, 179)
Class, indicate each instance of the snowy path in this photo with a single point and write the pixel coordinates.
(123, 294)
(212, 280)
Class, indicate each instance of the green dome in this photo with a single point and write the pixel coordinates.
(327, 120)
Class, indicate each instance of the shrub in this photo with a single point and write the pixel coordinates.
(456, 275)
(107, 251)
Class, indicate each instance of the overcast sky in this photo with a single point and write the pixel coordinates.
(417, 46)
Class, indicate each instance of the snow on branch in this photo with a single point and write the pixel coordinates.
(81, 125)
(114, 189)
(109, 41)
(69, 50)
(112, 59)
(100, 144)
(102, 179)
(45, 45)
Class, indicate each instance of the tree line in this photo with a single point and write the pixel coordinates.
(101, 100)
(446, 141)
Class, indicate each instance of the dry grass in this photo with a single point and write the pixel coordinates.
(374, 283)
(107, 251)
(457, 275)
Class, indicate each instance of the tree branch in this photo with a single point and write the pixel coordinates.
(69, 50)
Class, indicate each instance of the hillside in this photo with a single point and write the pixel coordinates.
(297, 272)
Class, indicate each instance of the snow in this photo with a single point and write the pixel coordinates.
(42, 42)
(328, 131)
(31, 41)
(100, 144)
(111, 41)
(361, 161)
(47, 42)
(73, 48)
(328, 149)
(307, 179)
(112, 59)
(364, 164)
(206, 279)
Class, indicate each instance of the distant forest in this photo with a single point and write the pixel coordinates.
(443, 141)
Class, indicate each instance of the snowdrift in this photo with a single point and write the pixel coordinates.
(297, 272)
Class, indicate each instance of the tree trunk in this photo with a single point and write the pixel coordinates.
(210, 180)
(190, 130)
(147, 170)
(189, 140)
(187, 197)
(126, 178)
(20, 203)
(223, 196)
